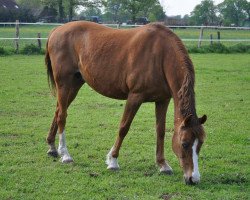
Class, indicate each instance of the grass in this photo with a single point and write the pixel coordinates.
(26, 111)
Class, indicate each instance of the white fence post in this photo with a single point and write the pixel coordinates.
(17, 36)
(201, 36)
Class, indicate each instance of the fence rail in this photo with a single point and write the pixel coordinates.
(200, 39)
(183, 39)
(131, 25)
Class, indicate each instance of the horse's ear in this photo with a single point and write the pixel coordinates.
(187, 120)
(203, 119)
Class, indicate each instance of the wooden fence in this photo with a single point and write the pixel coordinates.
(199, 40)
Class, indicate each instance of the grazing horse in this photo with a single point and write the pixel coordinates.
(145, 64)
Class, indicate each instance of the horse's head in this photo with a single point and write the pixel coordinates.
(187, 142)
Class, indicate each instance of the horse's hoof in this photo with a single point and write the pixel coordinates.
(112, 163)
(167, 172)
(66, 159)
(52, 153)
(166, 169)
(113, 168)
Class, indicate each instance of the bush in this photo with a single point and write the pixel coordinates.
(220, 48)
(217, 48)
(240, 48)
(4, 52)
(31, 49)
(195, 50)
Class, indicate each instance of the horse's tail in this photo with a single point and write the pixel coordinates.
(51, 80)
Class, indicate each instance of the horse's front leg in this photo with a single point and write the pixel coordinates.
(160, 113)
(132, 105)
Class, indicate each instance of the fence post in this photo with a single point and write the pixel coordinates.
(211, 39)
(39, 40)
(218, 36)
(201, 36)
(118, 25)
(17, 36)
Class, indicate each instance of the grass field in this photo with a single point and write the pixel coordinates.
(30, 31)
(26, 111)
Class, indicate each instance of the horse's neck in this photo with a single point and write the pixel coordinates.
(184, 99)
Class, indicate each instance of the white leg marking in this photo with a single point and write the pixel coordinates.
(111, 161)
(195, 173)
(62, 149)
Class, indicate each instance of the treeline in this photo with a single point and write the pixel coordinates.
(227, 13)
(68, 10)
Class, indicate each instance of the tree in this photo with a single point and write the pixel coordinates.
(31, 6)
(73, 4)
(58, 5)
(132, 7)
(113, 7)
(26, 11)
(204, 13)
(234, 12)
(90, 11)
(67, 7)
(147, 6)
(138, 8)
(157, 13)
(61, 11)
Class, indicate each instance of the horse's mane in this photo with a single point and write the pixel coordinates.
(186, 93)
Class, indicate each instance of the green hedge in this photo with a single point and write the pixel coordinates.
(220, 48)
(32, 49)
(29, 49)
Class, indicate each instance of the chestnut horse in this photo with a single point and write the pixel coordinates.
(145, 64)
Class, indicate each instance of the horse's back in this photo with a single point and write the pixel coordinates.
(113, 62)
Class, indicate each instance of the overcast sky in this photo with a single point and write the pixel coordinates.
(181, 7)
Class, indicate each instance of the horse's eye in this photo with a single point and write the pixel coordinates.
(185, 145)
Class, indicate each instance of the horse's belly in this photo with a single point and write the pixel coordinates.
(108, 88)
(110, 92)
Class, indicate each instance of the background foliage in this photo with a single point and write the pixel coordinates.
(227, 13)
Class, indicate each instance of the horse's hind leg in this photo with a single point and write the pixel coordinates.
(65, 96)
(132, 105)
(51, 136)
(160, 113)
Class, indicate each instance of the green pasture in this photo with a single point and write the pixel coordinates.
(27, 108)
(30, 31)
